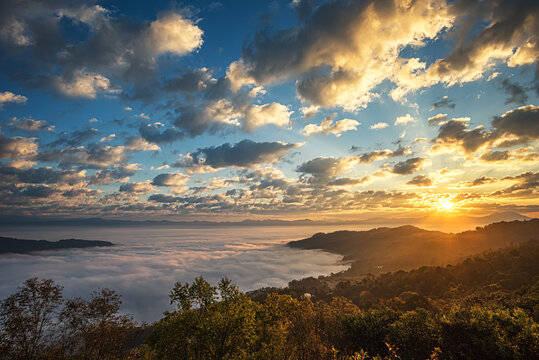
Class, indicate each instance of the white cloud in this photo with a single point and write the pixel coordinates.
(9, 97)
(173, 33)
(328, 127)
(86, 85)
(260, 115)
(379, 125)
(108, 138)
(403, 120)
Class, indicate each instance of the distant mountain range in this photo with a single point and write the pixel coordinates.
(421, 221)
(405, 247)
(20, 246)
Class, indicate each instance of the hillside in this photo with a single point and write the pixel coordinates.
(405, 247)
(20, 246)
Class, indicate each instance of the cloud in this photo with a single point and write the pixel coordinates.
(420, 180)
(523, 123)
(517, 94)
(244, 258)
(86, 85)
(17, 147)
(328, 127)
(323, 169)
(437, 119)
(348, 181)
(403, 120)
(444, 102)
(455, 132)
(153, 134)
(526, 184)
(260, 115)
(519, 154)
(112, 49)
(92, 156)
(172, 33)
(408, 166)
(44, 175)
(120, 174)
(369, 157)
(483, 180)
(170, 179)
(137, 187)
(108, 138)
(139, 144)
(9, 97)
(340, 62)
(74, 138)
(244, 154)
(31, 125)
(378, 126)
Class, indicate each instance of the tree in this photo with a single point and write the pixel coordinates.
(27, 319)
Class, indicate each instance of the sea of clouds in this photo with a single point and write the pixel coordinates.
(147, 261)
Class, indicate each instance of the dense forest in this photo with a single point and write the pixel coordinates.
(485, 307)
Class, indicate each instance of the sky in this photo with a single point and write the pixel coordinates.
(268, 109)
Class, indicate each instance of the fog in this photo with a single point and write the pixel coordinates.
(147, 261)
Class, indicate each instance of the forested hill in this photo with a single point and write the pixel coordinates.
(388, 249)
(12, 245)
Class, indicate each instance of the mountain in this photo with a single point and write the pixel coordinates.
(405, 247)
(12, 245)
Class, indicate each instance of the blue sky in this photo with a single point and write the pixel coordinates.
(286, 109)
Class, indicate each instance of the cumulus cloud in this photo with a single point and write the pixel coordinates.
(408, 166)
(91, 156)
(515, 127)
(31, 125)
(378, 126)
(420, 180)
(44, 175)
(172, 33)
(118, 174)
(455, 132)
(342, 61)
(137, 187)
(525, 184)
(437, 119)
(86, 85)
(170, 179)
(260, 115)
(328, 127)
(369, 157)
(139, 144)
(17, 147)
(403, 120)
(9, 97)
(322, 169)
(244, 154)
(154, 134)
(108, 138)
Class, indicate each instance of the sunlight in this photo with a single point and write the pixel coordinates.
(445, 204)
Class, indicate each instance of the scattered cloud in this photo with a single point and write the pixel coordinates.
(403, 120)
(328, 127)
(378, 126)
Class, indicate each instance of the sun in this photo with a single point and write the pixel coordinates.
(445, 204)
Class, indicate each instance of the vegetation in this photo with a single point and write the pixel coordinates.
(486, 307)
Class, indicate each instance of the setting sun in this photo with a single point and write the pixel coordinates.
(446, 205)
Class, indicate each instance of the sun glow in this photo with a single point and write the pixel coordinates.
(445, 204)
